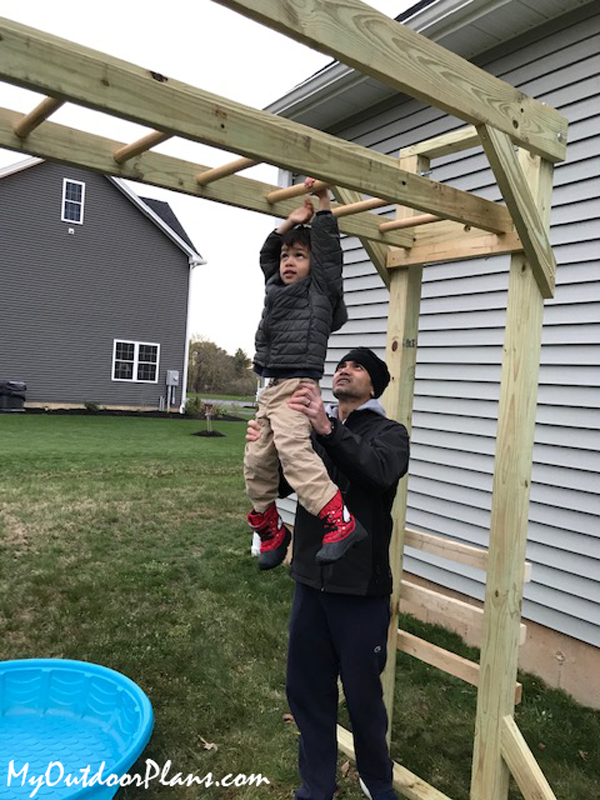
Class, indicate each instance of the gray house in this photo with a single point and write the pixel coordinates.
(95, 290)
(550, 49)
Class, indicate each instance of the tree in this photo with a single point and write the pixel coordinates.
(211, 370)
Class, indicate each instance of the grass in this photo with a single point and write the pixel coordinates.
(123, 541)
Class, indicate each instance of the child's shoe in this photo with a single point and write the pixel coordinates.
(342, 530)
(274, 536)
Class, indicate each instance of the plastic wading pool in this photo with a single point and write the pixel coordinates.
(74, 714)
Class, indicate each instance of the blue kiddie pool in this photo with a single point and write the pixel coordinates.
(59, 720)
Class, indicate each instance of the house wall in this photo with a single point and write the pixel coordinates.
(461, 341)
(66, 297)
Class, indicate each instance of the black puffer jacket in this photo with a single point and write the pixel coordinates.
(298, 318)
(366, 457)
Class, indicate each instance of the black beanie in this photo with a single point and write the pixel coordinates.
(377, 369)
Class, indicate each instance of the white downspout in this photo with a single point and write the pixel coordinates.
(193, 262)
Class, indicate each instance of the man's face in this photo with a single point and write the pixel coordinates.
(351, 381)
(294, 263)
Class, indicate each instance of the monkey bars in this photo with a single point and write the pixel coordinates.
(451, 225)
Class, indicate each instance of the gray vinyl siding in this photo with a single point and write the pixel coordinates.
(461, 333)
(66, 297)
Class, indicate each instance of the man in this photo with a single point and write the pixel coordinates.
(341, 611)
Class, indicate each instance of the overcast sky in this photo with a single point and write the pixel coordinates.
(215, 49)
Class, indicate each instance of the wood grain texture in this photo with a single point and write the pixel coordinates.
(517, 195)
(44, 63)
(445, 144)
(135, 148)
(510, 506)
(375, 45)
(522, 764)
(59, 143)
(38, 115)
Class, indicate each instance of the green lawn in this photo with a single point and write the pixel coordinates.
(123, 541)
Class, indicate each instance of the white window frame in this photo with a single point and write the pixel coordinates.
(64, 201)
(136, 360)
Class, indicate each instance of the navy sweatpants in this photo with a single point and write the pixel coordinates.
(331, 635)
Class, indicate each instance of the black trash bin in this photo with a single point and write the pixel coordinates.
(12, 395)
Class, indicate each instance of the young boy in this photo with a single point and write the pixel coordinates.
(303, 305)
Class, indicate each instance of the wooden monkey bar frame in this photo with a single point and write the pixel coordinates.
(452, 225)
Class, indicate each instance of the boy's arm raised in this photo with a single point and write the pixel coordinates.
(271, 250)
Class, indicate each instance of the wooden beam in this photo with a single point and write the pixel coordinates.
(377, 46)
(42, 62)
(216, 173)
(376, 251)
(407, 783)
(451, 241)
(409, 222)
(510, 506)
(450, 607)
(39, 114)
(528, 222)
(444, 145)
(445, 660)
(134, 149)
(59, 143)
(522, 764)
(401, 358)
(443, 547)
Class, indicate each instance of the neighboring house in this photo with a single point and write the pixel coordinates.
(550, 49)
(95, 289)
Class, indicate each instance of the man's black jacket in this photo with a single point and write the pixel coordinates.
(365, 456)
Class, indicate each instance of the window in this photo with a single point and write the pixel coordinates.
(72, 201)
(135, 361)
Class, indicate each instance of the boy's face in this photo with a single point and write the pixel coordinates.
(294, 263)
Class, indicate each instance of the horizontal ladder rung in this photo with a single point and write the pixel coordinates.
(39, 114)
(444, 660)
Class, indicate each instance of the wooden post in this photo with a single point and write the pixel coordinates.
(512, 476)
(401, 356)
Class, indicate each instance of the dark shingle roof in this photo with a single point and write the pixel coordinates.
(166, 213)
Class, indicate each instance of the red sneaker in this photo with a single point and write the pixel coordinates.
(342, 530)
(274, 536)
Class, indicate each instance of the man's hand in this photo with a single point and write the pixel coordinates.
(253, 431)
(307, 399)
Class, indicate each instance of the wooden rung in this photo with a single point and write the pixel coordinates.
(223, 171)
(356, 208)
(522, 764)
(450, 607)
(143, 144)
(40, 113)
(293, 191)
(454, 551)
(406, 782)
(408, 222)
(445, 660)
(444, 145)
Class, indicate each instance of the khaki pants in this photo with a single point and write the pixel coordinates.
(285, 439)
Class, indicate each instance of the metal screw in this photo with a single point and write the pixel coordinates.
(560, 137)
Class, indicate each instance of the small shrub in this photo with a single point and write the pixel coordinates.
(194, 407)
(91, 406)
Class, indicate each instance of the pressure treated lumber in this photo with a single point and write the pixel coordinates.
(451, 241)
(401, 358)
(510, 505)
(445, 144)
(409, 785)
(452, 550)
(517, 195)
(444, 660)
(375, 45)
(523, 766)
(39, 114)
(216, 173)
(135, 148)
(377, 252)
(42, 62)
(61, 143)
